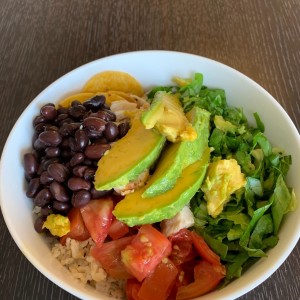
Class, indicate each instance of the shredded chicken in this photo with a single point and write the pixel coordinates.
(123, 109)
(183, 219)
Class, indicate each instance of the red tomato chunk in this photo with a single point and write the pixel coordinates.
(160, 283)
(78, 230)
(145, 252)
(117, 229)
(207, 277)
(182, 247)
(109, 256)
(97, 216)
(132, 289)
(155, 267)
(204, 251)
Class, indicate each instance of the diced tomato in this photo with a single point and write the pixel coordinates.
(117, 229)
(186, 272)
(182, 247)
(207, 277)
(132, 289)
(203, 249)
(160, 283)
(78, 230)
(145, 252)
(97, 216)
(109, 256)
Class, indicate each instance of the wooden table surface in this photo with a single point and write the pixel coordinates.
(40, 40)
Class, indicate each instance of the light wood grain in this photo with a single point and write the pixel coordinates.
(42, 40)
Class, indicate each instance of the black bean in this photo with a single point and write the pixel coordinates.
(95, 163)
(110, 116)
(62, 207)
(45, 178)
(94, 124)
(38, 145)
(40, 170)
(66, 121)
(39, 119)
(99, 194)
(92, 134)
(81, 138)
(45, 161)
(49, 112)
(73, 145)
(43, 197)
(81, 198)
(59, 191)
(65, 142)
(70, 140)
(88, 161)
(28, 177)
(105, 115)
(30, 163)
(33, 187)
(96, 151)
(67, 164)
(77, 111)
(38, 224)
(101, 140)
(92, 114)
(106, 106)
(65, 154)
(111, 131)
(46, 210)
(67, 129)
(61, 117)
(123, 129)
(77, 159)
(40, 127)
(94, 103)
(34, 137)
(78, 171)
(62, 110)
(75, 103)
(89, 173)
(38, 154)
(51, 127)
(78, 183)
(51, 104)
(58, 171)
(50, 138)
(52, 151)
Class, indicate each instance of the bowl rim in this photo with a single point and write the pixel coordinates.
(18, 239)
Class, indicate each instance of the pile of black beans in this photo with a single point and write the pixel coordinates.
(67, 145)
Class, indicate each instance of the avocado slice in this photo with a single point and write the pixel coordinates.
(129, 157)
(167, 116)
(134, 210)
(153, 114)
(179, 155)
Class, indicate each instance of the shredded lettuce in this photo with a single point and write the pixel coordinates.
(249, 224)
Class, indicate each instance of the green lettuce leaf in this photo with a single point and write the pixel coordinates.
(283, 202)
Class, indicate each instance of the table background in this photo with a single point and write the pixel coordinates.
(41, 40)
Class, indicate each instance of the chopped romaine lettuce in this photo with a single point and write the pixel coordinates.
(249, 223)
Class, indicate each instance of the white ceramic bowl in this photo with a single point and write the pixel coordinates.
(150, 68)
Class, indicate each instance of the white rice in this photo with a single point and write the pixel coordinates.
(75, 256)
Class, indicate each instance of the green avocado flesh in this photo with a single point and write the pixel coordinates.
(129, 157)
(155, 113)
(135, 210)
(167, 116)
(179, 155)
